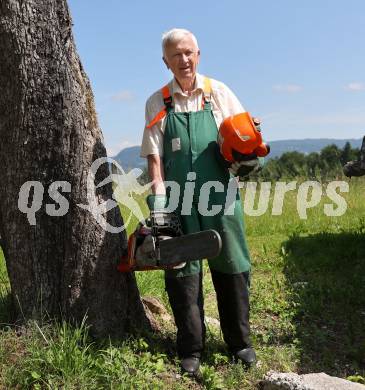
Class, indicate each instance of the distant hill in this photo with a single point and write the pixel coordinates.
(308, 145)
(129, 158)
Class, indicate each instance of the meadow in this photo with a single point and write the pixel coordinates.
(307, 315)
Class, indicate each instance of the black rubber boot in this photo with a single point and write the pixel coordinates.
(186, 300)
(190, 365)
(234, 308)
(247, 356)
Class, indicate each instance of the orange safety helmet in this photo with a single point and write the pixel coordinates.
(238, 133)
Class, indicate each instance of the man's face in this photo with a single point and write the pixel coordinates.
(182, 57)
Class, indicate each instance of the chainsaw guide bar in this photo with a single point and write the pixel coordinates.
(195, 246)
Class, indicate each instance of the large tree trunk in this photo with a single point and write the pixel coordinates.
(63, 266)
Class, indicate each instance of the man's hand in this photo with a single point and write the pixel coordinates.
(163, 222)
(245, 168)
(156, 173)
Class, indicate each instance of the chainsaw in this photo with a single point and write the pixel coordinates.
(160, 244)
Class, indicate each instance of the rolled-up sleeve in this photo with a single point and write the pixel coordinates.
(152, 142)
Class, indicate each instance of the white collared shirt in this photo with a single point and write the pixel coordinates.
(224, 104)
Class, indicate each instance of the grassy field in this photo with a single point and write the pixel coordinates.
(307, 315)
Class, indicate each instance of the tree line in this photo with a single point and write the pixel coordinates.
(323, 165)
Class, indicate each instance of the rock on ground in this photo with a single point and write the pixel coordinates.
(318, 381)
(154, 305)
(156, 312)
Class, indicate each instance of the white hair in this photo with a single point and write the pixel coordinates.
(175, 35)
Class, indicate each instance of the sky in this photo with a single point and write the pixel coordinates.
(297, 65)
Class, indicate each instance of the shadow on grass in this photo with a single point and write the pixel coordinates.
(326, 276)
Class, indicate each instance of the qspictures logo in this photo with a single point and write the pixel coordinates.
(308, 195)
(31, 196)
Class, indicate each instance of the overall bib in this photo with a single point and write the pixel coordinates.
(190, 147)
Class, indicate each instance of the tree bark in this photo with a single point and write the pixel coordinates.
(63, 266)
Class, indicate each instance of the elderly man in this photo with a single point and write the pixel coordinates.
(179, 141)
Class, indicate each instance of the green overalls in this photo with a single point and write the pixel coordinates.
(190, 145)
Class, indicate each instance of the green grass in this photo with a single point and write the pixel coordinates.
(307, 315)
(5, 301)
(308, 290)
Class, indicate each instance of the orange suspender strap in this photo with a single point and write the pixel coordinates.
(207, 91)
(167, 101)
(166, 92)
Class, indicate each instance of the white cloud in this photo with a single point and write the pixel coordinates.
(123, 96)
(290, 88)
(355, 86)
(114, 149)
